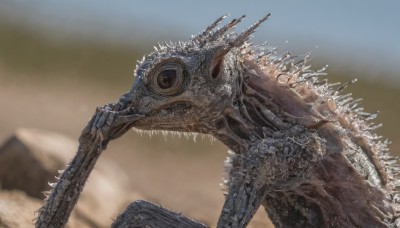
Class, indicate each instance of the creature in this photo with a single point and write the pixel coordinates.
(297, 146)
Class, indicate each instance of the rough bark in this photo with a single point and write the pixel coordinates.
(58, 207)
(145, 214)
(105, 125)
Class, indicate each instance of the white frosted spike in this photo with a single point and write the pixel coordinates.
(212, 139)
(155, 48)
(60, 171)
(139, 131)
(165, 134)
(186, 135)
(52, 184)
(372, 116)
(46, 193)
(194, 136)
(160, 46)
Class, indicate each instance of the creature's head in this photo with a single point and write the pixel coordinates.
(217, 84)
(187, 85)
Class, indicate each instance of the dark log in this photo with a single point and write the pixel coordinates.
(145, 214)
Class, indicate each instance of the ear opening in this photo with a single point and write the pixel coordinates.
(216, 71)
(217, 65)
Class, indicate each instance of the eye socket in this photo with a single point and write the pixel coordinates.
(166, 79)
(169, 78)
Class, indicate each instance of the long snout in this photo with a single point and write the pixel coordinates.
(126, 114)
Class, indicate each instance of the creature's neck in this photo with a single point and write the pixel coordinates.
(259, 107)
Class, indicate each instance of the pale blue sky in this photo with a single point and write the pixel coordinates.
(360, 32)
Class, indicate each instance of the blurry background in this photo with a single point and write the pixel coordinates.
(61, 59)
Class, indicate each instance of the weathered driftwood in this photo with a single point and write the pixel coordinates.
(145, 214)
(107, 123)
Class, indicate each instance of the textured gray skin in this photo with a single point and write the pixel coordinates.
(307, 152)
(298, 147)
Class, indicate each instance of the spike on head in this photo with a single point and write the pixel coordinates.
(223, 34)
(244, 36)
(219, 34)
(208, 30)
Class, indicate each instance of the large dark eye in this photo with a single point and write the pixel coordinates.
(169, 78)
(166, 79)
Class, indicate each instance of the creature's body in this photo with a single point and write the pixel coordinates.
(298, 147)
(307, 152)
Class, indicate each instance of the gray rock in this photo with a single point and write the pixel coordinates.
(31, 158)
(17, 209)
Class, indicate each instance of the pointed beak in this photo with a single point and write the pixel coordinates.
(126, 115)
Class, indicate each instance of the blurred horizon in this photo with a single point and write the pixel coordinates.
(358, 36)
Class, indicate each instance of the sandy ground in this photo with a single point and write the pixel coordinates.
(176, 173)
